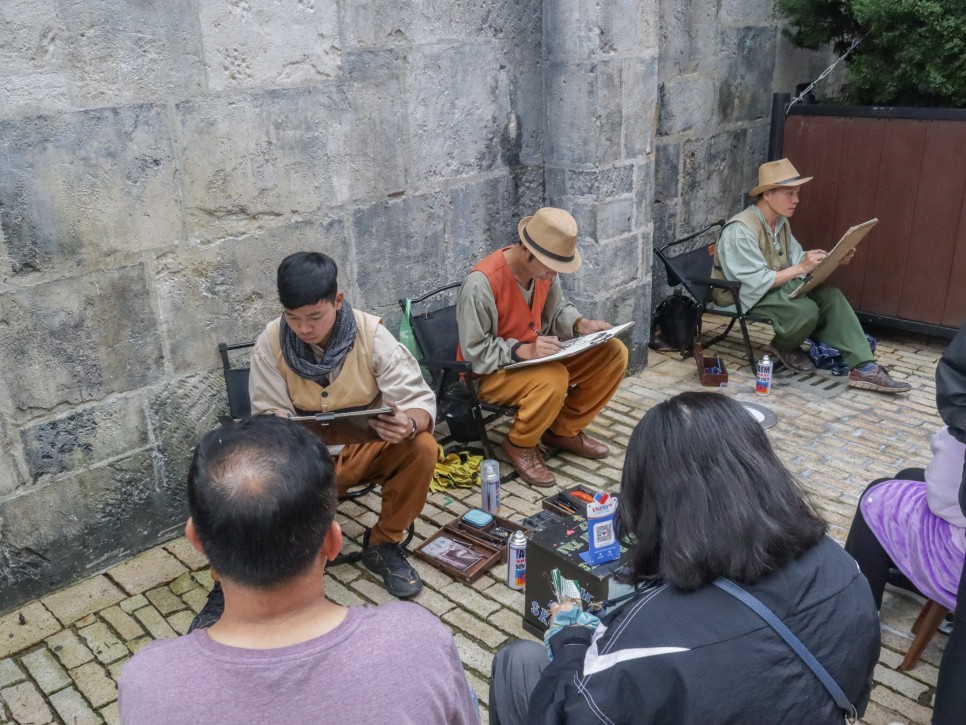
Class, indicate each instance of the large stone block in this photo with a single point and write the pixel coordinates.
(226, 292)
(609, 109)
(31, 58)
(571, 30)
(262, 160)
(688, 38)
(685, 105)
(639, 87)
(269, 44)
(398, 249)
(13, 471)
(746, 12)
(615, 218)
(182, 411)
(712, 186)
(666, 165)
(75, 340)
(745, 74)
(627, 26)
(527, 102)
(90, 435)
(571, 92)
(76, 525)
(458, 105)
(483, 219)
(643, 195)
(529, 192)
(78, 188)
(124, 52)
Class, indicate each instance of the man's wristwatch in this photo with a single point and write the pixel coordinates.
(412, 433)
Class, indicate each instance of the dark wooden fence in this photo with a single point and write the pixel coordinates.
(908, 168)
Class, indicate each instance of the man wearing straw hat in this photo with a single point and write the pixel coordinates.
(511, 308)
(757, 249)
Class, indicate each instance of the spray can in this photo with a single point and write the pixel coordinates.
(516, 574)
(763, 376)
(490, 486)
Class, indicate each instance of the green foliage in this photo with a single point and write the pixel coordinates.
(913, 52)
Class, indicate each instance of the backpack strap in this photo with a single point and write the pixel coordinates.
(755, 604)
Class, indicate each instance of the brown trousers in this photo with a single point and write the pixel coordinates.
(405, 470)
(563, 396)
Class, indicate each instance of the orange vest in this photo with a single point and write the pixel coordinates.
(514, 318)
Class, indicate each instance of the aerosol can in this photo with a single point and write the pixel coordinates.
(490, 486)
(516, 573)
(763, 376)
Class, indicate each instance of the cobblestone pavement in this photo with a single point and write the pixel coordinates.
(60, 656)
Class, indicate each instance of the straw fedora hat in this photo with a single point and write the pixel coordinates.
(551, 235)
(775, 174)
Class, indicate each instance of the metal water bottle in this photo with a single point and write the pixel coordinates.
(490, 485)
(516, 573)
(763, 376)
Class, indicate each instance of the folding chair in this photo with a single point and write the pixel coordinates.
(240, 406)
(437, 336)
(693, 270)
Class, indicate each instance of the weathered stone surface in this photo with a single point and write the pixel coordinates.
(25, 627)
(639, 88)
(414, 224)
(458, 104)
(75, 525)
(627, 26)
(262, 160)
(526, 101)
(46, 670)
(121, 52)
(644, 195)
(483, 219)
(13, 470)
(746, 12)
(688, 38)
(26, 704)
(181, 412)
(571, 31)
(90, 435)
(710, 188)
(146, 571)
(666, 166)
(86, 186)
(571, 137)
(747, 67)
(31, 58)
(686, 104)
(269, 44)
(226, 292)
(615, 218)
(96, 335)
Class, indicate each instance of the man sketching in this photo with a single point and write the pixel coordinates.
(322, 355)
(262, 498)
(757, 248)
(511, 308)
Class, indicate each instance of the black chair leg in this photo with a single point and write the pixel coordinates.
(481, 432)
(748, 348)
(718, 338)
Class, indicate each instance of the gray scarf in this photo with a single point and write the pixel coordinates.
(299, 356)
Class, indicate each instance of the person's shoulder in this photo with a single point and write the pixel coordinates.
(155, 660)
(409, 614)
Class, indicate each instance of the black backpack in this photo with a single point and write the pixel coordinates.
(676, 323)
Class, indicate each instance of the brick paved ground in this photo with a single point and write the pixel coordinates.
(60, 656)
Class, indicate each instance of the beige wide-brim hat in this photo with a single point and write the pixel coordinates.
(551, 235)
(777, 174)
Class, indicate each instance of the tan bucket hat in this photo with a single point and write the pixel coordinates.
(775, 174)
(551, 235)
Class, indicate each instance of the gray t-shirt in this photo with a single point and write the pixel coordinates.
(393, 663)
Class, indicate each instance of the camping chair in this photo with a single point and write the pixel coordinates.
(693, 270)
(437, 336)
(240, 406)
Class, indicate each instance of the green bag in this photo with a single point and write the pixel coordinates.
(407, 338)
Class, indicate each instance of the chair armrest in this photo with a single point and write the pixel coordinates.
(460, 366)
(719, 283)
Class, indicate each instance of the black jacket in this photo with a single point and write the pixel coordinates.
(705, 658)
(951, 395)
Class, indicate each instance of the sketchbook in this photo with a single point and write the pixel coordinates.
(342, 427)
(846, 244)
(575, 346)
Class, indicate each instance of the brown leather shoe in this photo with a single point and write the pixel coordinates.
(581, 444)
(797, 359)
(529, 464)
(877, 380)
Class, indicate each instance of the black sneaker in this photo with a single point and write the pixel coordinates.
(389, 562)
(211, 612)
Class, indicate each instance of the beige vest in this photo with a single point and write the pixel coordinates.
(774, 260)
(354, 387)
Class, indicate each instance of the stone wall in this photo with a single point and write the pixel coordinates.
(718, 65)
(160, 158)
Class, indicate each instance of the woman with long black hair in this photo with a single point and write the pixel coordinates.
(705, 499)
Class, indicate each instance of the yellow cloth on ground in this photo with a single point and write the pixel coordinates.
(459, 469)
